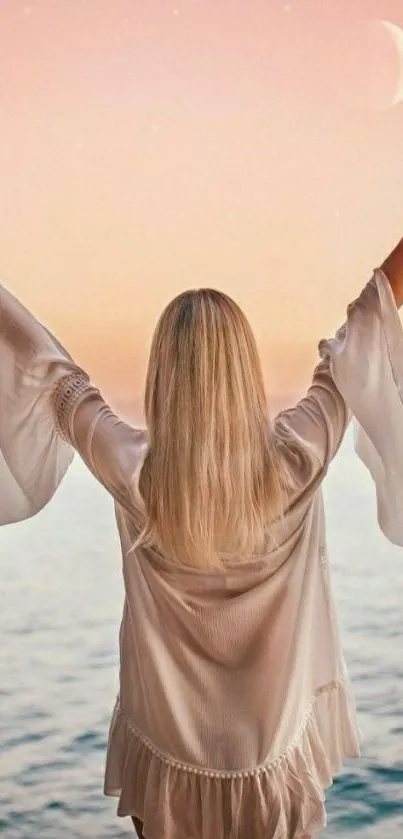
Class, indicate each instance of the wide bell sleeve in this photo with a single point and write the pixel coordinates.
(49, 409)
(366, 362)
(33, 456)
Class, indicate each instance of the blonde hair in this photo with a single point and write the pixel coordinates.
(211, 480)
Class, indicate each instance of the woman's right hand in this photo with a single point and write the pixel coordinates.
(393, 268)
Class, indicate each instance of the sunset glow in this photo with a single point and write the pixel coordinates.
(147, 147)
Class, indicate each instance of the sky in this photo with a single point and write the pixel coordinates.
(148, 146)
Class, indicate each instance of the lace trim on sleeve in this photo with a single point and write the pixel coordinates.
(68, 393)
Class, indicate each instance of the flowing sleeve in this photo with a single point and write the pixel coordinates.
(48, 409)
(33, 456)
(366, 362)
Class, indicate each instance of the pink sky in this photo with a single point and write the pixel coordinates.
(150, 146)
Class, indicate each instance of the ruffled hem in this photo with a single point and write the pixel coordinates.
(283, 799)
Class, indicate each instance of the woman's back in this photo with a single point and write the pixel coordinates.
(229, 674)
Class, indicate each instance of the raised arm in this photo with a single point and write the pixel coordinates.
(48, 408)
(347, 375)
(364, 363)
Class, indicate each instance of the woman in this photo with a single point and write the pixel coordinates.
(235, 708)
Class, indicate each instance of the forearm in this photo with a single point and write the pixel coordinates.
(393, 268)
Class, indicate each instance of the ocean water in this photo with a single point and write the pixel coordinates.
(61, 598)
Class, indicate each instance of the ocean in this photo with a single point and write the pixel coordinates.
(61, 599)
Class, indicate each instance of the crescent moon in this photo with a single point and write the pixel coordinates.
(396, 35)
(367, 65)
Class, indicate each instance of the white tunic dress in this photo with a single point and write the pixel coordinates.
(235, 708)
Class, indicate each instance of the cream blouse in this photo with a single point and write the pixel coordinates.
(235, 708)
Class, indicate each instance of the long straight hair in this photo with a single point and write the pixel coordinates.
(211, 480)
